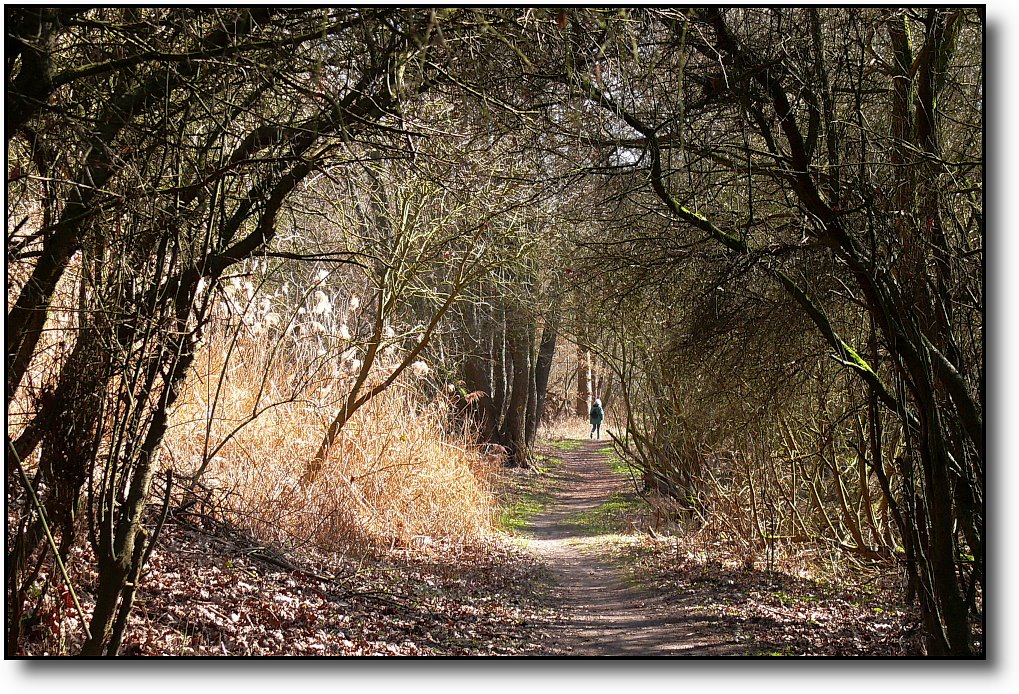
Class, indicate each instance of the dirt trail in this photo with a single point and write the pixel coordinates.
(608, 616)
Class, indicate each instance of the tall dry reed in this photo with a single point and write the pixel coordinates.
(253, 416)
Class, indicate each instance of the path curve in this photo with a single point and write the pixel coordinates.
(608, 616)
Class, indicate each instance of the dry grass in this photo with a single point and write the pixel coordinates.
(395, 476)
(568, 428)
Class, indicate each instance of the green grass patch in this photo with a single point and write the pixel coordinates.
(516, 517)
(608, 517)
(618, 465)
(566, 445)
(527, 493)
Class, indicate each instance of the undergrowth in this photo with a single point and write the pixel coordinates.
(789, 608)
(394, 476)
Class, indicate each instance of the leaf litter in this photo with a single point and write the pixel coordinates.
(205, 593)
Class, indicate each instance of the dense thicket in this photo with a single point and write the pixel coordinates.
(763, 225)
(819, 176)
(156, 149)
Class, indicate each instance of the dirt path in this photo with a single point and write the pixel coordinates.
(608, 616)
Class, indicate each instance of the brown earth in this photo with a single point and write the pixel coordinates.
(608, 616)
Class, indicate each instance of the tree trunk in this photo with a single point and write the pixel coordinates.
(482, 413)
(514, 426)
(531, 425)
(543, 366)
(583, 402)
(500, 367)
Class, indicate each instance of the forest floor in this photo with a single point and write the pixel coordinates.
(577, 574)
(609, 614)
(626, 592)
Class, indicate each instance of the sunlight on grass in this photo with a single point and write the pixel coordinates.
(566, 445)
(618, 465)
(608, 517)
(528, 493)
(517, 517)
(395, 475)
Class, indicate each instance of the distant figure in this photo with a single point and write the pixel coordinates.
(597, 414)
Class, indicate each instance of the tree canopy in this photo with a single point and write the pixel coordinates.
(756, 232)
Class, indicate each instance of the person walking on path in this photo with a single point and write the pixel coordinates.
(597, 415)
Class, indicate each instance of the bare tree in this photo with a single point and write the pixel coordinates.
(789, 137)
(158, 164)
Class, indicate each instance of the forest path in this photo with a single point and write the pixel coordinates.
(608, 616)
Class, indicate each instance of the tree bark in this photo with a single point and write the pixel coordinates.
(583, 401)
(500, 371)
(543, 365)
(531, 424)
(514, 435)
(478, 379)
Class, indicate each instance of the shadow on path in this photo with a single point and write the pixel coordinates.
(609, 617)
